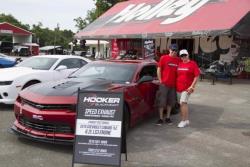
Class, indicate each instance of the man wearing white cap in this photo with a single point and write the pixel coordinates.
(187, 76)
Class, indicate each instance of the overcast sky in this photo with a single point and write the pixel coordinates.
(48, 12)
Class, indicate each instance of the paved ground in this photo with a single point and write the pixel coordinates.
(219, 136)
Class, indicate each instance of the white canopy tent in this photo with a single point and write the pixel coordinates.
(102, 52)
(91, 42)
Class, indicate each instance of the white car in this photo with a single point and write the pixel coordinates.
(34, 70)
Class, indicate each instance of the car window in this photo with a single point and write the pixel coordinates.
(114, 72)
(39, 63)
(82, 62)
(150, 70)
(94, 71)
(72, 63)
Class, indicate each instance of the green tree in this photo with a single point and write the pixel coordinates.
(101, 7)
(42, 36)
(12, 20)
(45, 36)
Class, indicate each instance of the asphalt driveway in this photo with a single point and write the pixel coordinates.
(219, 136)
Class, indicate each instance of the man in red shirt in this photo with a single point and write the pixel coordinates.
(167, 74)
(187, 76)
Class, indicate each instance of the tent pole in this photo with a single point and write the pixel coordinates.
(98, 49)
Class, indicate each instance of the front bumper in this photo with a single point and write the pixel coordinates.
(45, 126)
(12, 92)
(40, 139)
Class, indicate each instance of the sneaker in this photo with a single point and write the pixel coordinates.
(159, 122)
(168, 121)
(187, 122)
(182, 124)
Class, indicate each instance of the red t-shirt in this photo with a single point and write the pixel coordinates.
(186, 73)
(168, 65)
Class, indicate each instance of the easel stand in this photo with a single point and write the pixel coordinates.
(124, 141)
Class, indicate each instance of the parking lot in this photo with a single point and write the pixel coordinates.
(219, 135)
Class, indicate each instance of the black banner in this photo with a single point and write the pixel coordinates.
(98, 128)
(149, 48)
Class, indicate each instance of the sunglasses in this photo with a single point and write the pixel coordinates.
(183, 55)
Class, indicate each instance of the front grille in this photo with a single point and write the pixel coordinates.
(46, 127)
(49, 106)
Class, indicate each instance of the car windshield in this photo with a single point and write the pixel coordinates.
(39, 63)
(5, 57)
(116, 72)
(2, 55)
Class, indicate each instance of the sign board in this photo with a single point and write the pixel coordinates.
(176, 11)
(6, 32)
(98, 128)
(149, 48)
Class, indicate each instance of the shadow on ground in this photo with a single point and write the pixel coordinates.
(147, 136)
(6, 108)
(48, 146)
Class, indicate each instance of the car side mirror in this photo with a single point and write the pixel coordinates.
(18, 60)
(145, 78)
(61, 67)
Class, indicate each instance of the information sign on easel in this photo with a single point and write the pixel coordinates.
(98, 134)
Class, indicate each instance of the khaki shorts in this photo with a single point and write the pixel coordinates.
(165, 96)
(183, 97)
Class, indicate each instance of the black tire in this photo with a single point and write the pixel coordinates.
(30, 83)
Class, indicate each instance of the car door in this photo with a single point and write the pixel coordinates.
(142, 95)
(72, 65)
(148, 89)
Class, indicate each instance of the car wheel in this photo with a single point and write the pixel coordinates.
(30, 83)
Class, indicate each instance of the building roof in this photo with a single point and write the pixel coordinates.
(7, 28)
(30, 44)
(168, 18)
(44, 48)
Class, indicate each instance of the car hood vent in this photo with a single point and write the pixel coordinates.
(65, 85)
(49, 106)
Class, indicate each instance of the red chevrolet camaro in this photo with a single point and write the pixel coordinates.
(47, 111)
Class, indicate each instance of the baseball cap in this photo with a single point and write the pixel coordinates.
(183, 52)
(173, 47)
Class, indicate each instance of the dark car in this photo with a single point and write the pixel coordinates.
(6, 61)
(6, 47)
(47, 112)
(21, 50)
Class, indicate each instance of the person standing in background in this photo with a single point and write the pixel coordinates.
(167, 73)
(187, 75)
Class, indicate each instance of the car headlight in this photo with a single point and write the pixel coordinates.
(5, 83)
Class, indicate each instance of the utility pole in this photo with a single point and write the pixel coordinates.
(56, 30)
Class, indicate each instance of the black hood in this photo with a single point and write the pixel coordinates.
(69, 87)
